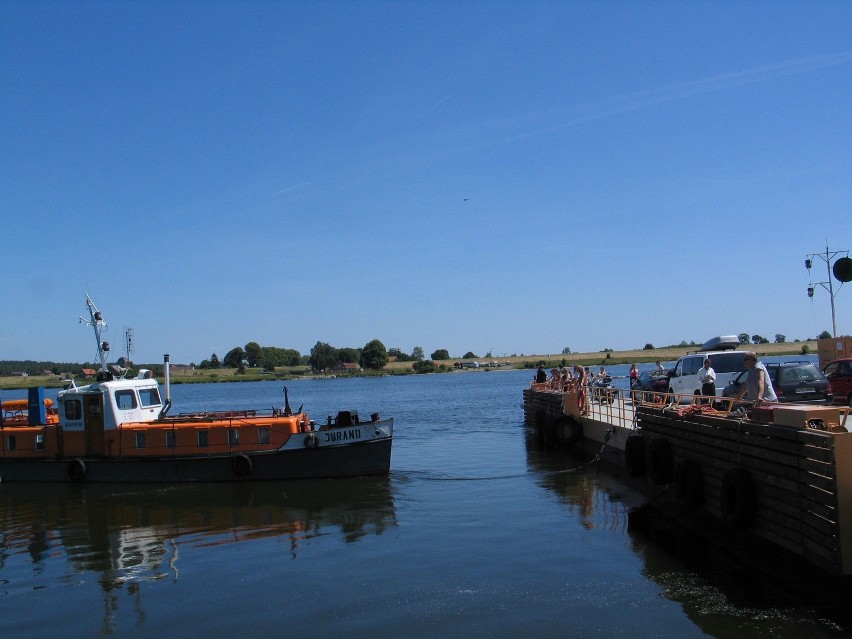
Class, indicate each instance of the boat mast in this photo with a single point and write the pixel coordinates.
(98, 323)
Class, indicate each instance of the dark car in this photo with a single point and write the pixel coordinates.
(792, 382)
(653, 381)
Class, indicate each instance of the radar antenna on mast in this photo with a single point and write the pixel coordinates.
(98, 323)
(128, 343)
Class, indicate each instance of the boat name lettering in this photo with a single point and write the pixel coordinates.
(342, 435)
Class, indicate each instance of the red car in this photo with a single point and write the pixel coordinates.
(839, 374)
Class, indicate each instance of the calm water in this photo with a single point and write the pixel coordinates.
(476, 533)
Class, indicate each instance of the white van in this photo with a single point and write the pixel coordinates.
(727, 364)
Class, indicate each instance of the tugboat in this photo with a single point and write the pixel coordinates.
(117, 429)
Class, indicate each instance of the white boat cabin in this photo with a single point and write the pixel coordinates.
(111, 402)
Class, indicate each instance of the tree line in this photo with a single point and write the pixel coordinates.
(323, 356)
(32, 367)
(744, 338)
(253, 355)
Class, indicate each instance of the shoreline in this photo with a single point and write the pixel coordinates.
(608, 358)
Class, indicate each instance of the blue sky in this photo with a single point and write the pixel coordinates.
(508, 176)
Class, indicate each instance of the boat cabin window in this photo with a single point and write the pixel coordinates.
(10, 442)
(73, 409)
(233, 437)
(202, 438)
(149, 397)
(140, 439)
(39, 442)
(170, 439)
(262, 435)
(125, 399)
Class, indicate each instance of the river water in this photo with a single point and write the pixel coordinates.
(475, 533)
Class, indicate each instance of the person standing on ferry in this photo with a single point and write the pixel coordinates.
(580, 381)
(554, 380)
(707, 377)
(758, 386)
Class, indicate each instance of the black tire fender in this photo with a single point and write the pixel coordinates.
(539, 424)
(738, 498)
(634, 455)
(660, 461)
(311, 440)
(77, 469)
(241, 465)
(568, 430)
(689, 484)
(547, 433)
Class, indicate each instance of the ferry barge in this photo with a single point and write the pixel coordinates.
(117, 429)
(781, 473)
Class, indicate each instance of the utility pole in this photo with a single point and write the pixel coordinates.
(841, 272)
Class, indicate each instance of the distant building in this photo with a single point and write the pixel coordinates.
(346, 367)
(20, 374)
(88, 373)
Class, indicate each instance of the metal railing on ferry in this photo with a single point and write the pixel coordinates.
(617, 405)
(613, 405)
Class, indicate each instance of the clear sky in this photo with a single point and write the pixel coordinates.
(507, 176)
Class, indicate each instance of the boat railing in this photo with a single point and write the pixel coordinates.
(208, 415)
(618, 405)
(612, 405)
(723, 405)
(609, 405)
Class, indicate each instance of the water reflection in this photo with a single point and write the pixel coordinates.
(726, 586)
(594, 494)
(128, 534)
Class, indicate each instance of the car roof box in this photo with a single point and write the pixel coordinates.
(720, 343)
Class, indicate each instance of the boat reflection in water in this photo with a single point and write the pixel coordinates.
(128, 534)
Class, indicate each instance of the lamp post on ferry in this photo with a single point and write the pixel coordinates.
(842, 270)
